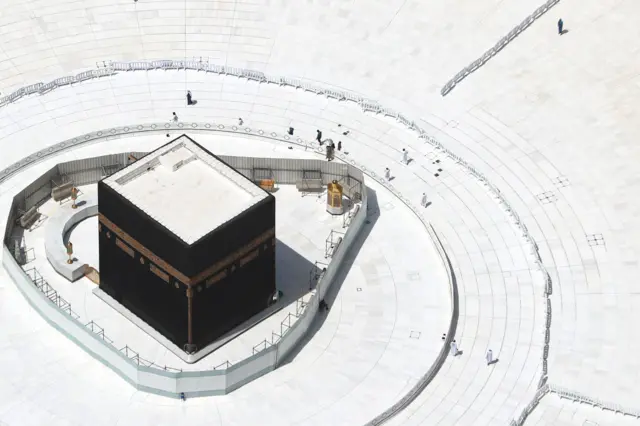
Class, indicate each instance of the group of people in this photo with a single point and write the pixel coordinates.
(330, 148)
(454, 351)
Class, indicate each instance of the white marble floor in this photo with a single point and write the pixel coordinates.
(302, 226)
(550, 120)
(384, 324)
(554, 411)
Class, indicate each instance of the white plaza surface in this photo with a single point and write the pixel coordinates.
(550, 120)
(302, 226)
(554, 411)
(381, 302)
(186, 176)
(293, 265)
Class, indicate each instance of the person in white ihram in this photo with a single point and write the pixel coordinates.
(454, 348)
(174, 118)
(387, 174)
(405, 156)
(489, 357)
(423, 202)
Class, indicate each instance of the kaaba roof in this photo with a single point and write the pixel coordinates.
(186, 189)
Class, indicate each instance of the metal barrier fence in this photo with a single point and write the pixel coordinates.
(541, 392)
(367, 105)
(43, 88)
(93, 169)
(595, 402)
(473, 66)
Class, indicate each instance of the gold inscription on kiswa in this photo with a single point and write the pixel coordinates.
(159, 272)
(125, 247)
(214, 279)
(233, 257)
(190, 281)
(248, 258)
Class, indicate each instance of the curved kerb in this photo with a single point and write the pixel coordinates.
(15, 270)
(367, 105)
(444, 352)
(135, 369)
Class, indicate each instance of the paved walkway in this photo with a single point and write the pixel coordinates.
(554, 411)
(550, 122)
(497, 286)
(383, 331)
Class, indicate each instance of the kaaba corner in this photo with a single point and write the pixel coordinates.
(187, 243)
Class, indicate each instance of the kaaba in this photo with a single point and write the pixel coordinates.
(187, 243)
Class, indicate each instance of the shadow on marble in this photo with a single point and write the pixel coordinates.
(293, 273)
(373, 213)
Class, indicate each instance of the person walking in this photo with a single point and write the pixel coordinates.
(405, 156)
(423, 201)
(339, 145)
(560, 26)
(489, 357)
(189, 100)
(174, 118)
(454, 348)
(387, 174)
(240, 121)
(319, 136)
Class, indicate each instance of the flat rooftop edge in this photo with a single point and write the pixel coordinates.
(186, 189)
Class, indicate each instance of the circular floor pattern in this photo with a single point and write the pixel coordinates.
(552, 133)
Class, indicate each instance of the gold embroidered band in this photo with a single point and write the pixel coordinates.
(189, 281)
(159, 272)
(125, 247)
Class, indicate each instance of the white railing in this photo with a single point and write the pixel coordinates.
(43, 88)
(366, 105)
(275, 350)
(595, 402)
(541, 392)
(497, 47)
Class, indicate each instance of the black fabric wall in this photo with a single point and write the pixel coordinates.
(233, 235)
(216, 309)
(133, 285)
(190, 260)
(142, 227)
(229, 302)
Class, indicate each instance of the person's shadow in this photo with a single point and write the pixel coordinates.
(495, 361)
(564, 32)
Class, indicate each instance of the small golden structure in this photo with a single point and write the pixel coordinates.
(70, 253)
(267, 184)
(334, 198)
(74, 197)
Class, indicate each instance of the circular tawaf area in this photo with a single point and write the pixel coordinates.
(358, 281)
